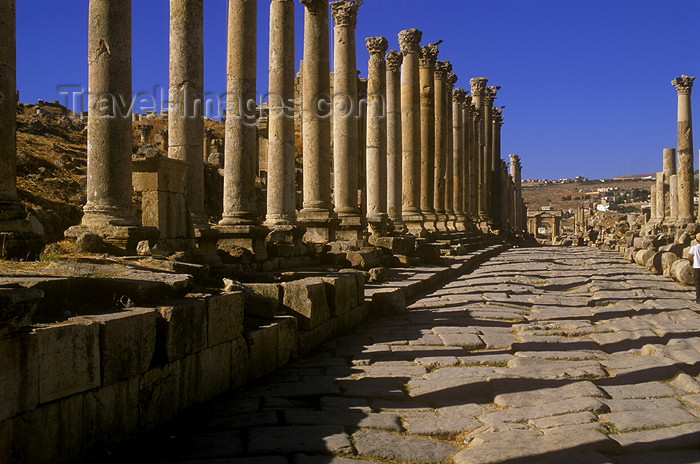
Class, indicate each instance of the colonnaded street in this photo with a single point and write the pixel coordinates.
(558, 355)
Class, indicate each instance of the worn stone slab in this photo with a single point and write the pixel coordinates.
(404, 369)
(617, 405)
(219, 444)
(564, 419)
(640, 390)
(451, 420)
(346, 418)
(389, 446)
(469, 342)
(547, 395)
(306, 459)
(527, 413)
(298, 439)
(627, 421)
(680, 436)
(681, 456)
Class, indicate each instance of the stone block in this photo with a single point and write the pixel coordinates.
(359, 285)
(682, 271)
(19, 375)
(388, 302)
(675, 248)
(182, 328)
(110, 414)
(265, 304)
(158, 396)
(18, 305)
(68, 358)
(378, 274)
(240, 362)
(51, 433)
(341, 292)
(262, 349)
(127, 343)
(667, 260)
(188, 372)
(654, 263)
(287, 341)
(225, 317)
(643, 256)
(306, 300)
(214, 372)
(363, 259)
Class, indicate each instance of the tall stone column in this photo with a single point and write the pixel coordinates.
(394, 60)
(458, 160)
(207, 137)
(281, 213)
(428, 55)
(376, 136)
(440, 150)
(185, 115)
(345, 125)
(317, 215)
(19, 239)
(660, 204)
(449, 152)
(686, 181)
(478, 87)
(653, 203)
(411, 132)
(669, 169)
(673, 197)
(488, 171)
(516, 174)
(496, 188)
(470, 118)
(240, 219)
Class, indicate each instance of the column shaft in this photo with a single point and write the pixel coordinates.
(393, 129)
(458, 165)
(686, 182)
(440, 149)
(8, 104)
(428, 54)
(449, 152)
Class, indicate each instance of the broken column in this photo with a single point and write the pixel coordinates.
(411, 132)
(21, 235)
(686, 182)
(669, 169)
(440, 149)
(376, 136)
(109, 211)
(345, 124)
(673, 197)
(516, 174)
(428, 55)
(239, 224)
(660, 204)
(458, 162)
(185, 115)
(316, 215)
(394, 60)
(281, 212)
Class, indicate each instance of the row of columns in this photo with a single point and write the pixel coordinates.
(432, 153)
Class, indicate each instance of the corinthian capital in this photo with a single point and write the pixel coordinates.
(442, 68)
(452, 79)
(409, 40)
(428, 55)
(376, 45)
(478, 86)
(490, 93)
(459, 95)
(345, 12)
(394, 60)
(683, 84)
(316, 7)
(497, 115)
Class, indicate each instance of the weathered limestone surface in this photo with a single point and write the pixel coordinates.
(394, 162)
(686, 190)
(546, 355)
(428, 55)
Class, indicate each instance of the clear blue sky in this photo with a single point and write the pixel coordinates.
(586, 83)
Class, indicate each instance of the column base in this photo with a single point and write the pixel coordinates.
(441, 222)
(285, 240)
(460, 222)
(248, 236)
(430, 220)
(398, 227)
(415, 225)
(379, 225)
(351, 228)
(207, 239)
(118, 239)
(320, 226)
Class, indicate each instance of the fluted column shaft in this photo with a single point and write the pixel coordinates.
(240, 144)
(109, 137)
(458, 161)
(280, 158)
(428, 54)
(410, 126)
(686, 183)
(345, 128)
(8, 104)
(394, 60)
(376, 129)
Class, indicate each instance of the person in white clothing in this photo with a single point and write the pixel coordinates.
(694, 257)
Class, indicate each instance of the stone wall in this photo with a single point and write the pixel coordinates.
(70, 389)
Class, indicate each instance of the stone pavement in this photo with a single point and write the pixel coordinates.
(544, 354)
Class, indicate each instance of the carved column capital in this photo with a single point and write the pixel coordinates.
(683, 84)
(409, 40)
(459, 95)
(394, 60)
(315, 7)
(490, 93)
(451, 79)
(497, 115)
(442, 69)
(428, 55)
(345, 12)
(376, 46)
(478, 86)
(476, 113)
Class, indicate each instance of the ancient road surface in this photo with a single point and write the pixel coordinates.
(557, 355)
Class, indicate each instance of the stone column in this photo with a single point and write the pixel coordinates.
(394, 60)
(686, 182)
(163, 139)
(652, 202)
(428, 55)
(281, 213)
(474, 139)
(144, 132)
(497, 212)
(478, 87)
(185, 115)
(345, 125)
(673, 197)
(410, 131)
(376, 136)
(317, 215)
(17, 236)
(669, 169)
(449, 153)
(516, 174)
(206, 144)
(440, 150)
(660, 205)
(458, 160)
(488, 171)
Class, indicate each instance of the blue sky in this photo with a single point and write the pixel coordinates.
(586, 83)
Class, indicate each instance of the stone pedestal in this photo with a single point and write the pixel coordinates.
(428, 55)
(394, 163)
(250, 237)
(686, 183)
(410, 132)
